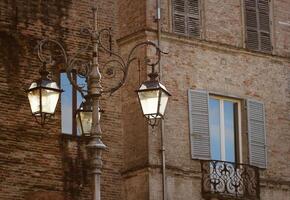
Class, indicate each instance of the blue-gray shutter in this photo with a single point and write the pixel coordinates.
(199, 124)
(257, 134)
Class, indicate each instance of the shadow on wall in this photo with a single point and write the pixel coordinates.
(10, 52)
(75, 165)
(45, 196)
(75, 178)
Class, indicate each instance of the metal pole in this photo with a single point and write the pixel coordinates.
(95, 145)
(162, 147)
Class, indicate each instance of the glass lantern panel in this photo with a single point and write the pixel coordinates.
(163, 102)
(49, 100)
(149, 101)
(34, 100)
(86, 122)
(52, 84)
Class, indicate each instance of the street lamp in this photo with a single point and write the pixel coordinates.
(153, 97)
(84, 117)
(44, 93)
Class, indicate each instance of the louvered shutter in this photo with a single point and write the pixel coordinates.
(186, 17)
(193, 21)
(264, 25)
(256, 133)
(252, 25)
(258, 25)
(199, 124)
(179, 16)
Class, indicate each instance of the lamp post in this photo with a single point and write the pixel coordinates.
(152, 95)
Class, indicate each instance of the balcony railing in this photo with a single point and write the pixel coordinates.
(227, 180)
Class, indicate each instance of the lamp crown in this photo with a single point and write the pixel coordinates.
(43, 71)
(153, 76)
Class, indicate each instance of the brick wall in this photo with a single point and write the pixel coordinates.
(222, 22)
(40, 163)
(227, 72)
(220, 64)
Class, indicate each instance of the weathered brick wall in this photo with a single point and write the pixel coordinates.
(231, 72)
(131, 15)
(38, 163)
(281, 27)
(35, 162)
(225, 70)
(223, 22)
(135, 130)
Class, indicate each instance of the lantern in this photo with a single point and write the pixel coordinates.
(153, 97)
(43, 95)
(84, 117)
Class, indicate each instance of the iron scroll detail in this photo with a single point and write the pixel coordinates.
(83, 67)
(229, 180)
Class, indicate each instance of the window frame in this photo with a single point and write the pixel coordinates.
(237, 123)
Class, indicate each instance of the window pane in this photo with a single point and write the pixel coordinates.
(66, 104)
(214, 125)
(229, 131)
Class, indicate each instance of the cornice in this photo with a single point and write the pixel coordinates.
(172, 37)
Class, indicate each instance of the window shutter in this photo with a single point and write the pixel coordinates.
(186, 17)
(199, 124)
(258, 25)
(256, 133)
(264, 25)
(179, 16)
(252, 25)
(193, 18)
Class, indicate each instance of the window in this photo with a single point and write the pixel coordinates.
(224, 125)
(215, 128)
(70, 101)
(257, 18)
(186, 17)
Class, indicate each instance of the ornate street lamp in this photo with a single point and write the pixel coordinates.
(153, 98)
(44, 93)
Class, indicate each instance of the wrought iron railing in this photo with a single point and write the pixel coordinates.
(227, 180)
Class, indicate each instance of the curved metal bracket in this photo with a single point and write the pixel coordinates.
(72, 65)
(83, 68)
(124, 65)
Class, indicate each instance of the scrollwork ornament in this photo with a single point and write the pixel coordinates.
(229, 179)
